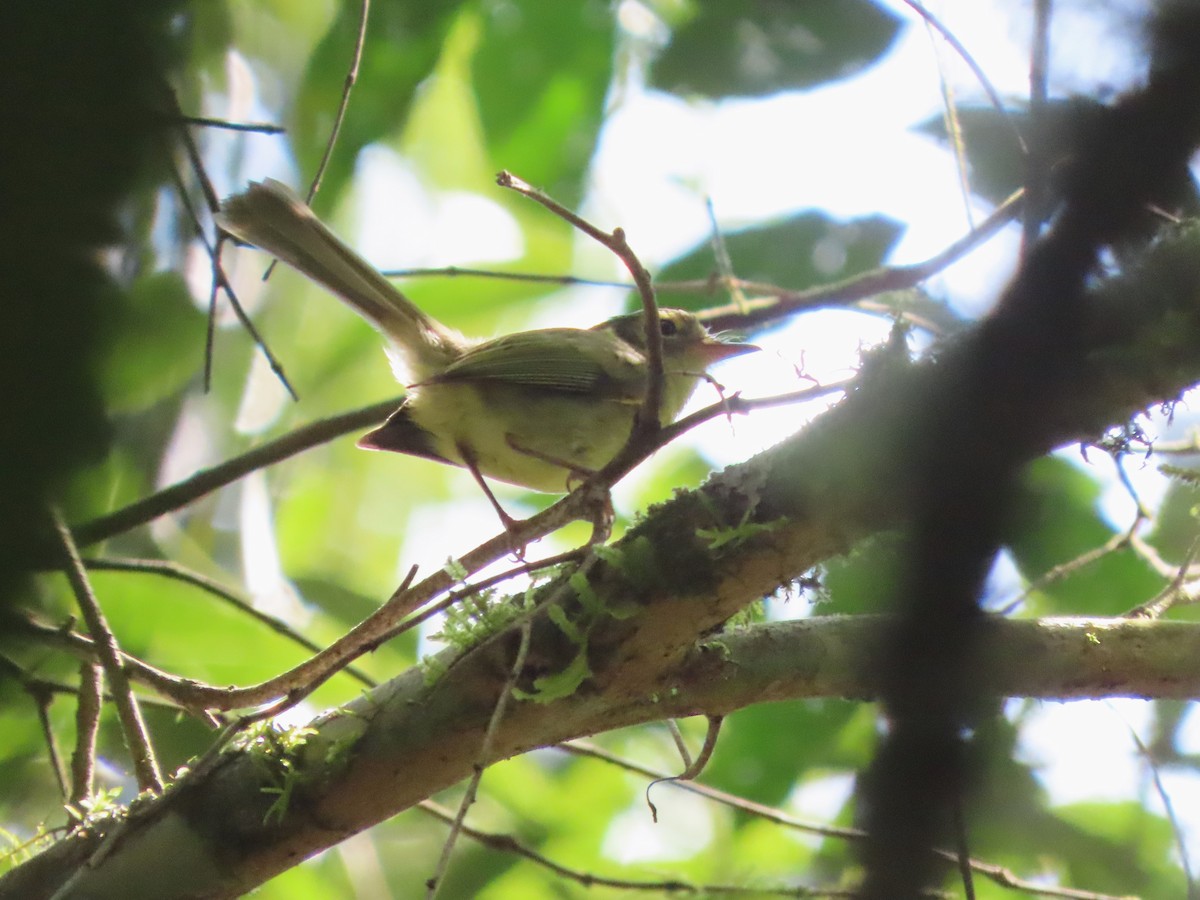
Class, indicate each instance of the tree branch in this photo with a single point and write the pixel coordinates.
(845, 477)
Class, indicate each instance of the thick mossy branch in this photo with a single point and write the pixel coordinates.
(655, 601)
(408, 739)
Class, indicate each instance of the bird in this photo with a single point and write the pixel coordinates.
(540, 409)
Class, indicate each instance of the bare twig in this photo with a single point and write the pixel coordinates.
(964, 851)
(360, 41)
(208, 122)
(646, 422)
(41, 692)
(952, 122)
(175, 689)
(87, 726)
(994, 873)
(190, 489)
(694, 767)
(1174, 592)
(984, 82)
(134, 729)
(485, 752)
(1168, 806)
(507, 843)
(721, 256)
(1071, 566)
(166, 569)
(860, 287)
(219, 278)
(501, 275)
(339, 116)
(1036, 164)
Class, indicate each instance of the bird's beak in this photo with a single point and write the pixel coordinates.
(714, 350)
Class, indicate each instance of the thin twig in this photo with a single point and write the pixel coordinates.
(339, 116)
(1170, 595)
(43, 702)
(213, 201)
(485, 754)
(145, 765)
(721, 256)
(1119, 462)
(646, 422)
(87, 727)
(82, 647)
(952, 122)
(507, 843)
(963, 847)
(680, 743)
(167, 569)
(976, 70)
(219, 278)
(41, 692)
(182, 493)
(195, 159)
(1151, 557)
(457, 596)
(243, 317)
(694, 767)
(208, 122)
(1071, 566)
(1189, 446)
(1036, 168)
(1168, 806)
(282, 690)
(860, 287)
(501, 275)
(995, 873)
(348, 85)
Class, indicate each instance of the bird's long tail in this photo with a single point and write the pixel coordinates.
(271, 217)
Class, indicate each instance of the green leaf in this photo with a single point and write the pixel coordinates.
(862, 580)
(157, 343)
(402, 44)
(1175, 525)
(750, 48)
(764, 749)
(541, 74)
(997, 161)
(1055, 520)
(549, 688)
(798, 252)
(572, 631)
(1122, 846)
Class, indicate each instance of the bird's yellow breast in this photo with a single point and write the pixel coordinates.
(533, 438)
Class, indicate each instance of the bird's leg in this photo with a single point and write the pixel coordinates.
(574, 472)
(600, 505)
(599, 497)
(509, 523)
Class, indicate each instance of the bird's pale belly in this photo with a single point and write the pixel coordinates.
(534, 438)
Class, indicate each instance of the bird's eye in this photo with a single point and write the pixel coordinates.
(667, 327)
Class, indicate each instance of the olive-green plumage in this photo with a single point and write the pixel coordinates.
(531, 408)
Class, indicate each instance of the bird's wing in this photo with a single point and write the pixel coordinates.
(555, 359)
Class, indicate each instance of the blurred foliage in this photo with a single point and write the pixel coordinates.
(748, 48)
(1055, 521)
(807, 249)
(102, 371)
(996, 144)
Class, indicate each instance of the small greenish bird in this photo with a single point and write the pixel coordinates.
(540, 409)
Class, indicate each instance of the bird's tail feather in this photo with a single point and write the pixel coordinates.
(271, 217)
